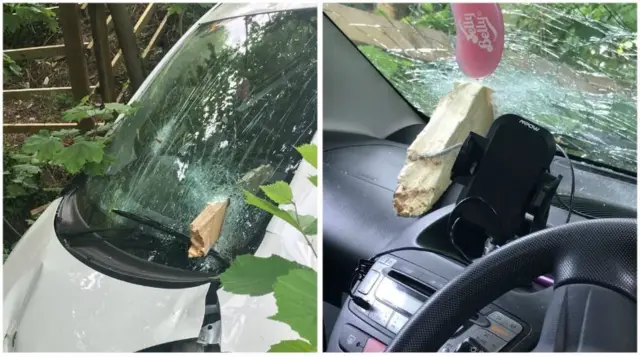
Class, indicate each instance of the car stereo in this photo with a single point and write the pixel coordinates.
(396, 289)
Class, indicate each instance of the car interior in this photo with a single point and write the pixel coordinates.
(397, 283)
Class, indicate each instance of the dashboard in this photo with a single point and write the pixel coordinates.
(360, 175)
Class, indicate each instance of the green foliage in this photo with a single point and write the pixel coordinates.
(309, 153)
(435, 16)
(292, 346)
(64, 100)
(307, 225)
(279, 192)
(74, 157)
(294, 286)
(176, 9)
(108, 111)
(387, 64)
(67, 148)
(10, 67)
(21, 176)
(255, 276)
(296, 298)
(19, 15)
(44, 146)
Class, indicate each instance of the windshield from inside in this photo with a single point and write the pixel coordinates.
(568, 67)
(224, 115)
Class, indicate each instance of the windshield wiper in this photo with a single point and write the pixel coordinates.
(152, 223)
(166, 229)
(132, 232)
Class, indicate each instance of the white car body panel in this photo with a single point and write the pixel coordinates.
(72, 307)
(55, 303)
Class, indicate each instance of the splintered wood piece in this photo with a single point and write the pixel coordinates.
(205, 229)
(426, 174)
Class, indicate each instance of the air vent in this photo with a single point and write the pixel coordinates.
(597, 209)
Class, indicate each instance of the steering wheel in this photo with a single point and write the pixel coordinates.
(593, 307)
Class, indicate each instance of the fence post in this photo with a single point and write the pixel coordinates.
(98, 17)
(127, 39)
(74, 51)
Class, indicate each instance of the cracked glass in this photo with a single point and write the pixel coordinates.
(569, 67)
(224, 115)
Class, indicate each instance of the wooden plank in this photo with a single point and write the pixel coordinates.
(32, 128)
(142, 21)
(28, 93)
(98, 16)
(427, 171)
(74, 49)
(152, 42)
(205, 229)
(39, 209)
(36, 52)
(109, 27)
(128, 45)
(155, 37)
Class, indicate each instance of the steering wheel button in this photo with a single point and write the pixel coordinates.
(503, 320)
(368, 282)
(380, 313)
(396, 322)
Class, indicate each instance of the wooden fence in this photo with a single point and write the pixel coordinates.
(74, 50)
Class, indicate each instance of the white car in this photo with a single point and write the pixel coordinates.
(105, 267)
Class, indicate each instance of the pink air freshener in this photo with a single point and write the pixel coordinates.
(479, 38)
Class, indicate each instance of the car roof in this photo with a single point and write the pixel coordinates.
(229, 10)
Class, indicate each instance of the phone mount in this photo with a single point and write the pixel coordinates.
(505, 176)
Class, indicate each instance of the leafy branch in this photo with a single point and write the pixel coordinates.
(70, 149)
(294, 286)
(17, 15)
(280, 193)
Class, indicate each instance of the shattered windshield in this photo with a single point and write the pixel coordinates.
(224, 115)
(568, 67)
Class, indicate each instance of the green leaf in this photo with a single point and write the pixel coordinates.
(268, 207)
(309, 153)
(22, 157)
(304, 223)
(74, 157)
(121, 108)
(296, 298)
(14, 190)
(279, 192)
(65, 133)
(45, 146)
(99, 168)
(80, 112)
(26, 169)
(255, 276)
(292, 346)
(314, 180)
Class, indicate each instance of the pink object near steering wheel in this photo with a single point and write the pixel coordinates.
(479, 37)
